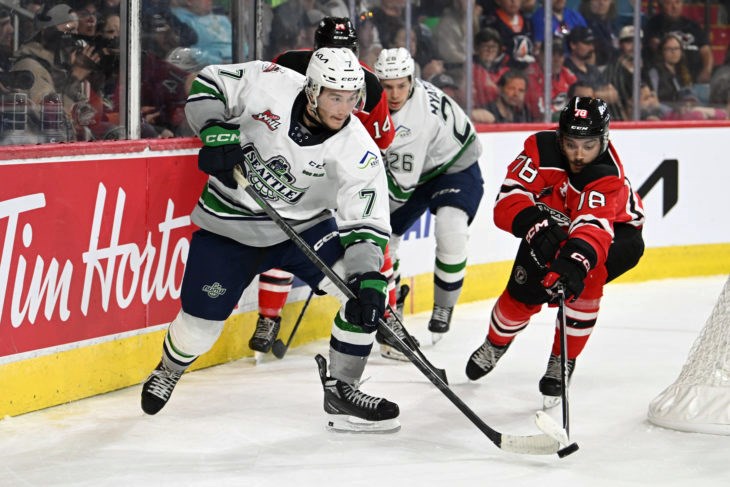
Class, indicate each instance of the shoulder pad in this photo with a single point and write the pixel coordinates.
(373, 90)
(297, 60)
(547, 149)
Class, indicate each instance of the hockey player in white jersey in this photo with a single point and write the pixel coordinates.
(303, 152)
(432, 164)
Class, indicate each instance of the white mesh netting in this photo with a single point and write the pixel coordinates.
(699, 400)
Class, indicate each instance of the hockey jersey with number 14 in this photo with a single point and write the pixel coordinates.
(433, 136)
(303, 175)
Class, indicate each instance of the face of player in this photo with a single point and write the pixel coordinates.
(580, 151)
(396, 90)
(335, 106)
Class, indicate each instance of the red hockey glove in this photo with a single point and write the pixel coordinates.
(570, 268)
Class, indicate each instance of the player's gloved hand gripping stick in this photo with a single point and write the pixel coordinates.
(543, 444)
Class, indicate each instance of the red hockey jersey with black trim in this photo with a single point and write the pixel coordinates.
(588, 204)
(375, 115)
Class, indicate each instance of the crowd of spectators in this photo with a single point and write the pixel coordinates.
(60, 77)
(60, 60)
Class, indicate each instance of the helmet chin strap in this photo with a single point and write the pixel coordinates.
(311, 115)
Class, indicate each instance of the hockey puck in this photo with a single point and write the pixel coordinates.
(278, 349)
(572, 448)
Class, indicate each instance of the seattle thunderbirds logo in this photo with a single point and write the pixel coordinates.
(272, 179)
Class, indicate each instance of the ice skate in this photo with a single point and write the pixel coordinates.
(483, 360)
(389, 347)
(158, 387)
(440, 321)
(265, 334)
(349, 410)
(551, 383)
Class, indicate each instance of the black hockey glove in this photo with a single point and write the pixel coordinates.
(541, 232)
(221, 151)
(570, 268)
(369, 306)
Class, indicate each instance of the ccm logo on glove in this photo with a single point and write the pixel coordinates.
(218, 139)
(577, 256)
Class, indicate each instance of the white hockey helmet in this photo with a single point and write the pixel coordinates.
(336, 68)
(394, 64)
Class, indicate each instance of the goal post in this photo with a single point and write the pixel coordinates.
(699, 400)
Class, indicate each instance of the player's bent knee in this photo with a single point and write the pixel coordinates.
(194, 336)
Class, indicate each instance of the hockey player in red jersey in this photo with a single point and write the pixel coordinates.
(567, 198)
(275, 285)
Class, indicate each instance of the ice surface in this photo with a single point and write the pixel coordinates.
(262, 424)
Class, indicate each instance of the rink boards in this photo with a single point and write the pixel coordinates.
(95, 238)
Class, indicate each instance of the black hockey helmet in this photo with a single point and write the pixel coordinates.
(335, 32)
(584, 117)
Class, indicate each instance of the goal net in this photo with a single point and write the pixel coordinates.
(699, 400)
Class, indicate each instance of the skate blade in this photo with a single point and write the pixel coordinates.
(342, 423)
(549, 402)
(436, 337)
(392, 353)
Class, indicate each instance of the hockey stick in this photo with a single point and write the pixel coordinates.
(542, 444)
(278, 348)
(563, 359)
(411, 343)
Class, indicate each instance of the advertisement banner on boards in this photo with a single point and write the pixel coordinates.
(91, 248)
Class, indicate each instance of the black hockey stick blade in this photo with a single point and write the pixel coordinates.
(279, 349)
(541, 444)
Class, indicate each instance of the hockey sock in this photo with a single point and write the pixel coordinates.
(580, 319)
(451, 248)
(187, 338)
(509, 317)
(274, 287)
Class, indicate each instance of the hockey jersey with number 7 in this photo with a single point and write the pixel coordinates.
(304, 175)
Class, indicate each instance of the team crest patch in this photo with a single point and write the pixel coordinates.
(272, 178)
(271, 120)
(368, 160)
(520, 275)
(402, 131)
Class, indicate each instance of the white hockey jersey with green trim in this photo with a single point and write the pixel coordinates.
(433, 136)
(302, 180)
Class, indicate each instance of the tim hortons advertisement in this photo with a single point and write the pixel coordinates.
(91, 248)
